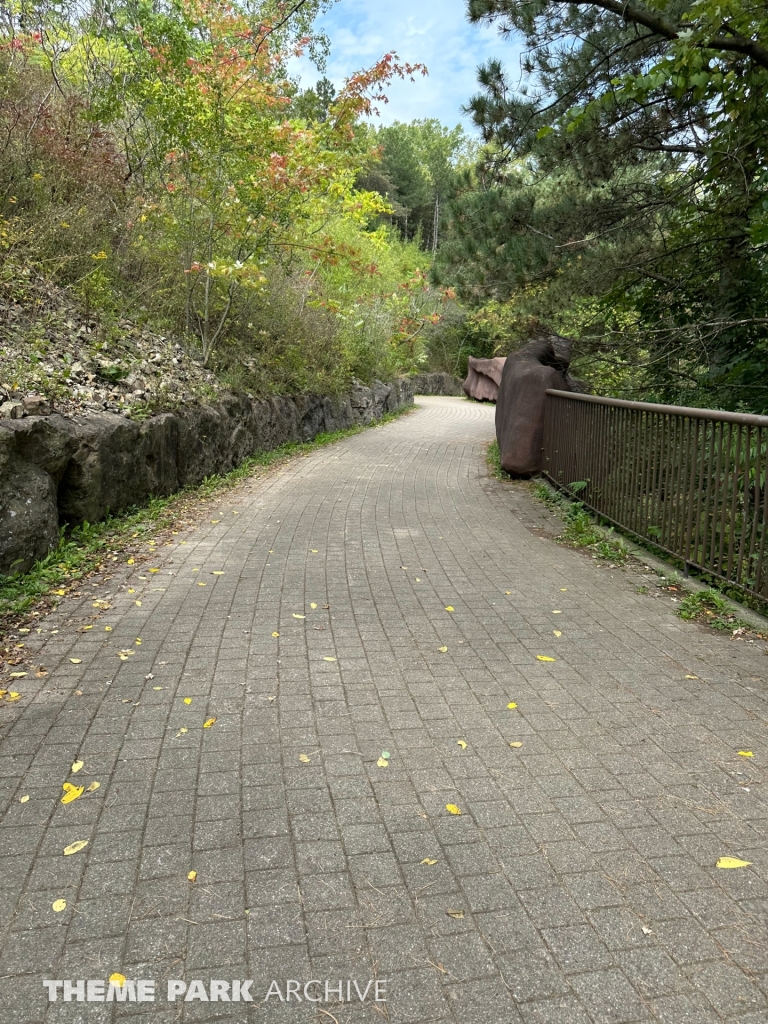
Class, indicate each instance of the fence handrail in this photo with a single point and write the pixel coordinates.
(749, 419)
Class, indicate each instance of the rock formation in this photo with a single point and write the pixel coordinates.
(436, 384)
(528, 373)
(483, 378)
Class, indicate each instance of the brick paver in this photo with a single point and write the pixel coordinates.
(578, 884)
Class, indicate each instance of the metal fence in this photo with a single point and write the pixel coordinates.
(690, 481)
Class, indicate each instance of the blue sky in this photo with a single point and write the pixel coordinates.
(436, 34)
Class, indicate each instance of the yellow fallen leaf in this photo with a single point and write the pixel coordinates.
(61, 593)
(76, 661)
(131, 590)
(13, 695)
(275, 634)
(157, 687)
(452, 809)
(563, 589)
(428, 860)
(329, 659)
(208, 723)
(511, 705)
(218, 572)
(313, 605)
(75, 847)
(691, 677)
(58, 905)
(544, 657)
(71, 792)
(130, 561)
(517, 743)
(215, 521)
(192, 876)
(137, 603)
(733, 862)
(556, 611)
(457, 914)
(86, 628)
(181, 731)
(746, 753)
(104, 605)
(187, 700)
(202, 584)
(449, 608)
(442, 649)
(93, 787)
(314, 551)
(154, 570)
(299, 616)
(383, 762)
(462, 744)
(24, 799)
(77, 766)
(17, 675)
(557, 632)
(507, 592)
(117, 979)
(107, 629)
(138, 641)
(304, 758)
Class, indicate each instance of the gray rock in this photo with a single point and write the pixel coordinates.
(29, 519)
(36, 405)
(436, 384)
(11, 410)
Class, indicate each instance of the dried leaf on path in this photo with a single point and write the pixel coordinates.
(452, 809)
(462, 744)
(733, 862)
(71, 792)
(75, 847)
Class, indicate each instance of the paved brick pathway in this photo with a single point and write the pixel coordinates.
(577, 885)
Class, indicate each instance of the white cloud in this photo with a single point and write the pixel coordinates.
(437, 34)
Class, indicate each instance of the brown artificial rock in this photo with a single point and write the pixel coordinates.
(483, 378)
(521, 401)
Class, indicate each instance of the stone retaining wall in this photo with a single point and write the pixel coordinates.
(55, 469)
(436, 384)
